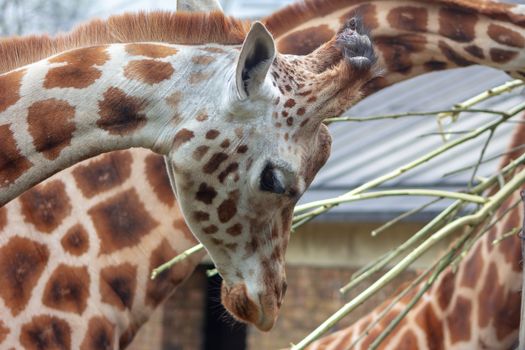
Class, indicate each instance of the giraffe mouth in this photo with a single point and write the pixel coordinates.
(244, 309)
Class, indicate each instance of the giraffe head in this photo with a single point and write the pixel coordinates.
(239, 170)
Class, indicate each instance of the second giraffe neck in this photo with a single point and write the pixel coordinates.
(84, 102)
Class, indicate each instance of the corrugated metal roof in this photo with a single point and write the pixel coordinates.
(364, 151)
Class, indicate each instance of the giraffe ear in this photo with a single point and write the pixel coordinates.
(254, 62)
(198, 5)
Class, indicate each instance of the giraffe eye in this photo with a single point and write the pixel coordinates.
(270, 181)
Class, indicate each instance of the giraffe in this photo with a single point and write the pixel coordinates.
(137, 178)
(412, 37)
(476, 307)
(231, 220)
(68, 281)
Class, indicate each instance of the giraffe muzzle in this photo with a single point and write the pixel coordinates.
(262, 312)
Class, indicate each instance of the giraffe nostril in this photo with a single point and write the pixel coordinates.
(284, 288)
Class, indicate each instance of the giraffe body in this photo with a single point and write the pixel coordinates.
(74, 271)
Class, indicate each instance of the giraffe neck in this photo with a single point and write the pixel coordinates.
(413, 37)
(84, 102)
(95, 244)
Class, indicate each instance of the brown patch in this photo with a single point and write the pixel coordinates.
(252, 245)
(198, 77)
(22, 262)
(164, 284)
(225, 143)
(453, 56)
(71, 76)
(149, 71)
(103, 173)
(301, 111)
(45, 332)
(445, 290)
(202, 59)
(121, 221)
(118, 285)
(502, 56)
(234, 230)
(183, 136)
(76, 240)
(205, 194)
(67, 289)
(475, 51)
(12, 163)
(200, 152)
(409, 18)
(459, 320)
(506, 36)
(227, 210)
(457, 24)
(501, 307)
(150, 50)
(157, 176)
(366, 12)
(10, 84)
(202, 116)
(506, 313)
(212, 134)
(289, 121)
(51, 126)
(408, 341)
(242, 149)
(397, 50)
(127, 337)
(434, 65)
(209, 230)
(79, 72)
(100, 335)
(4, 331)
(303, 42)
(510, 247)
(201, 216)
(3, 217)
(46, 206)
(289, 103)
(120, 114)
(429, 323)
(231, 168)
(472, 268)
(214, 162)
(174, 99)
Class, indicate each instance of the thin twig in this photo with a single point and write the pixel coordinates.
(473, 219)
(443, 263)
(167, 265)
(480, 159)
(403, 216)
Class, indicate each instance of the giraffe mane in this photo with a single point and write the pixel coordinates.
(298, 13)
(157, 26)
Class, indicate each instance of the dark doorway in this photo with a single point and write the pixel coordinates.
(221, 331)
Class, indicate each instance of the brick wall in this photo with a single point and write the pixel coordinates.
(312, 296)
